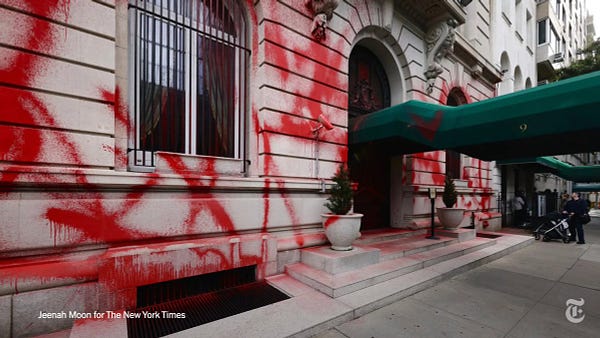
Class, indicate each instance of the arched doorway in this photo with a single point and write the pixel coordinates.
(369, 91)
(456, 97)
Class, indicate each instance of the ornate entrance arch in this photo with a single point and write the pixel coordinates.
(369, 91)
(456, 97)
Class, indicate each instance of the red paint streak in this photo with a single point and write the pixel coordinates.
(160, 262)
(267, 204)
(428, 128)
(222, 219)
(26, 106)
(443, 99)
(290, 210)
(93, 222)
(49, 272)
(330, 220)
(121, 115)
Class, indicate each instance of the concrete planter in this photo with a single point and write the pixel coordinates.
(450, 218)
(341, 230)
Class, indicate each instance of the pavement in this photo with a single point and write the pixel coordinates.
(547, 289)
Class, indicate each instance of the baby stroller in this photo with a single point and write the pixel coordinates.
(554, 226)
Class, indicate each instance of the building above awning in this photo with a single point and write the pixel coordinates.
(581, 174)
(558, 118)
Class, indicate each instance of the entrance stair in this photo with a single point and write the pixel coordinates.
(328, 288)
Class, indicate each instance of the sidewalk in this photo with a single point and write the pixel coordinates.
(523, 294)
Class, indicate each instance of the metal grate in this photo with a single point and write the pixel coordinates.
(201, 309)
(185, 287)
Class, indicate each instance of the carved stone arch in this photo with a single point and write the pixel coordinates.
(389, 53)
(456, 97)
(507, 84)
(518, 76)
(505, 63)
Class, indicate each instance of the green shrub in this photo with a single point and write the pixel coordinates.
(449, 195)
(340, 200)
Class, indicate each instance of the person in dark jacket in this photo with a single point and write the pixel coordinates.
(576, 208)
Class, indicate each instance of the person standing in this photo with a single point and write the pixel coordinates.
(519, 209)
(576, 208)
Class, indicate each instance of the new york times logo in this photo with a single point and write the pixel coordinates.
(574, 312)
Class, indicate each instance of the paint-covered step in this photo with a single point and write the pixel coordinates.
(393, 249)
(325, 259)
(377, 296)
(336, 285)
(386, 234)
(451, 251)
(346, 282)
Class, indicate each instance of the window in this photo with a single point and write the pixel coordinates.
(530, 27)
(519, 18)
(188, 77)
(542, 31)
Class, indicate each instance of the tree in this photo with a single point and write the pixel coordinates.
(590, 63)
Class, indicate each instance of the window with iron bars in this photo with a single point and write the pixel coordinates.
(188, 83)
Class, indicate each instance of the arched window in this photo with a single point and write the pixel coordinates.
(188, 62)
(368, 87)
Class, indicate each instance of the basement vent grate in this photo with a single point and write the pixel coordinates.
(185, 287)
(201, 309)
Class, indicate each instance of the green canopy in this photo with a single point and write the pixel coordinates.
(552, 165)
(557, 118)
(586, 187)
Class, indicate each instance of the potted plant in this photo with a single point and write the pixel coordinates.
(341, 225)
(450, 217)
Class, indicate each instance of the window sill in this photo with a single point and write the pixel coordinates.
(101, 180)
(173, 163)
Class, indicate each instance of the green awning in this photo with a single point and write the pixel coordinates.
(557, 118)
(590, 173)
(586, 187)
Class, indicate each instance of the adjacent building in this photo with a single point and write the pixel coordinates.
(561, 35)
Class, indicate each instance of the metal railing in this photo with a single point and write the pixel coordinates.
(188, 69)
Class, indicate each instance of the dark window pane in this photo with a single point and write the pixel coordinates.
(216, 97)
(542, 32)
(161, 88)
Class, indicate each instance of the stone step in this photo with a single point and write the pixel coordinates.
(392, 249)
(309, 312)
(333, 262)
(379, 235)
(336, 285)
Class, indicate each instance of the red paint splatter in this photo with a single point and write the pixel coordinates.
(330, 220)
(428, 128)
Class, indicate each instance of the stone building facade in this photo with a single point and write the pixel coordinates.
(149, 141)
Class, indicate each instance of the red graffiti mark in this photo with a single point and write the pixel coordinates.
(290, 210)
(330, 220)
(92, 221)
(23, 107)
(121, 114)
(221, 217)
(428, 128)
(443, 99)
(267, 204)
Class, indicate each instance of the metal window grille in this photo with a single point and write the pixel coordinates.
(188, 65)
